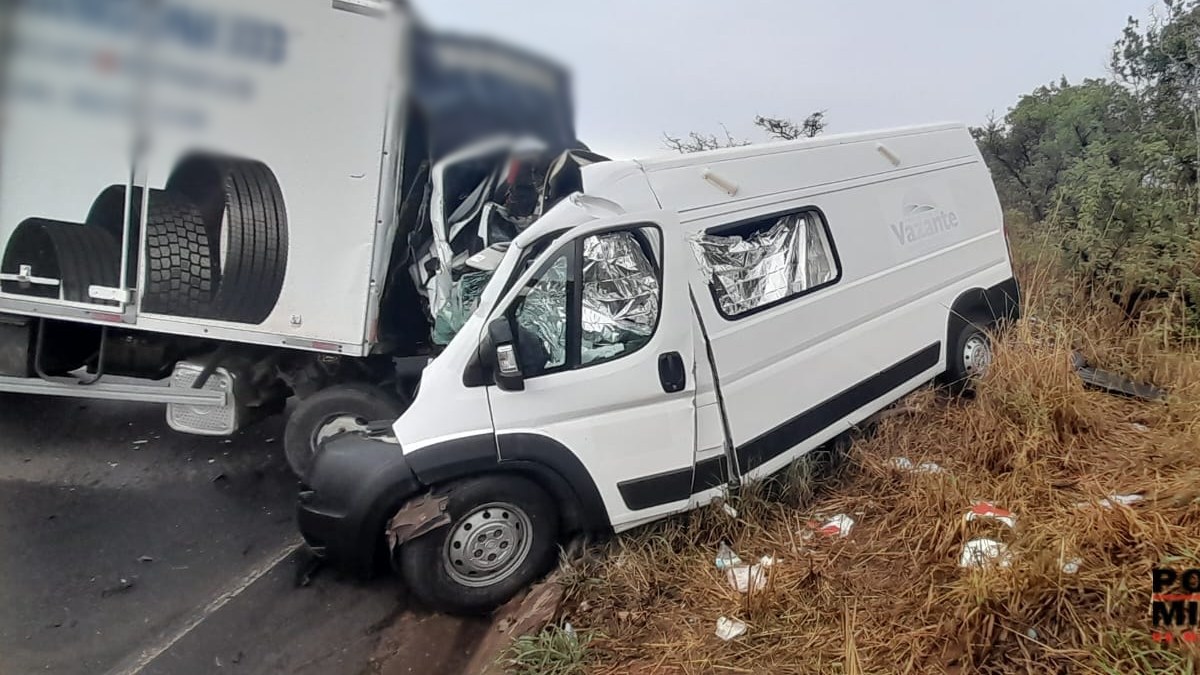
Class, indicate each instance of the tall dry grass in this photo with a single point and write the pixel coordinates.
(891, 598)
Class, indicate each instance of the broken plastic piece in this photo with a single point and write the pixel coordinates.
(419, 516)
(988, 510)
(982, 553)
(729, 510)
(728, 629)
(1072, 566)
(1114, 383)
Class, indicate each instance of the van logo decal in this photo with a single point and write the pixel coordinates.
(922, 222)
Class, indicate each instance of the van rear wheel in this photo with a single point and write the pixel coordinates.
(970, 354)
(503, 535)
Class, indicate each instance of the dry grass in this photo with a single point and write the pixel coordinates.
(891, 597)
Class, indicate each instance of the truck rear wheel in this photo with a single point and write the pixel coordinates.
(242, 206)
(77, 255)
(502, 536)
(331, 411)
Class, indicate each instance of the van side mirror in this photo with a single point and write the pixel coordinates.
(506, 366)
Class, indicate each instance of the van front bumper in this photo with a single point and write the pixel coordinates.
(356, 483)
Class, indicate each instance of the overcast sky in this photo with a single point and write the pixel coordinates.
(642, 67)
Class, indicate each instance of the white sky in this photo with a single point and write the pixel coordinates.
(642, 67)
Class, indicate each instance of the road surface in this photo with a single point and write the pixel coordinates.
(129, 548)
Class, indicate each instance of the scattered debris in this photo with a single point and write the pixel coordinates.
(1113, 383)
(145, 559)
(982, 553)
(1031, 633)
(1072, 566)
(837, 526)
(1138, 426)
(726, 558)
(905, 464)
(729, 510)
(988, 510)
(113, 465)
(121, 586)
(141, 442)
(269, 440)
(728, 629)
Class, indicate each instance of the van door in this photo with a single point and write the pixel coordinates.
(602, 332)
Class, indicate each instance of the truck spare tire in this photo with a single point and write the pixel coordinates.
(77, 255)
(180, 272)
(243, 210)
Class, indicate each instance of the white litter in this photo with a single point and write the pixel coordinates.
(743, 578)
(141, 442)
(1072, 566)
(727, 629)
(729, 510)
(988, 510)
(1138, 426)
(726, 558)
(905, 464)
(1123, 500)
(981, 553)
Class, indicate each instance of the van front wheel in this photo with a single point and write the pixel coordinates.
(503, 535)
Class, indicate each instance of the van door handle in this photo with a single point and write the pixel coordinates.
(671, 372)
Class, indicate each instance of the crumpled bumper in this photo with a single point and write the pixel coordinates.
(356, 483)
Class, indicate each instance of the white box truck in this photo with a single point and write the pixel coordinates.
(223, 204)
(677, 326)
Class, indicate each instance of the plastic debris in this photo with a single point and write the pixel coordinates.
(1112, 382)
(905, 464)
(988, 510)
(141, 442)
(1072, 566)
(729, 510)
(982, 553)
(744, 578)
(1138, 426)
(837, 526)
(726, 558)
(728, 629)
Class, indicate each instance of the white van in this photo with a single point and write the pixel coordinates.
(678, 327)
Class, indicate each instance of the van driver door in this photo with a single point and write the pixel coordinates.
(601, 333)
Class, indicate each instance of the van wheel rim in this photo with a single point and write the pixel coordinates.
(337, 424)
(977, 355)
(487, 545)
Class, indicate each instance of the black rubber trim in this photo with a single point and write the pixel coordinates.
(709, 474)
(556, 468)
(795, 431)
(545, 451)
(1004, 300)
(356, 483)
(662, 488)
(454, 458)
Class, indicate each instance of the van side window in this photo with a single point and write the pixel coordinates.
(759, 264)
(595, 301)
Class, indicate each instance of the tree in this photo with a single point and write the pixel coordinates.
(777, 128)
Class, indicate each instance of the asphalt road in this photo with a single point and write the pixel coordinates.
(128, 548)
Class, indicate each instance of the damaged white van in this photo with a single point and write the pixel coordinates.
(679, 326)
